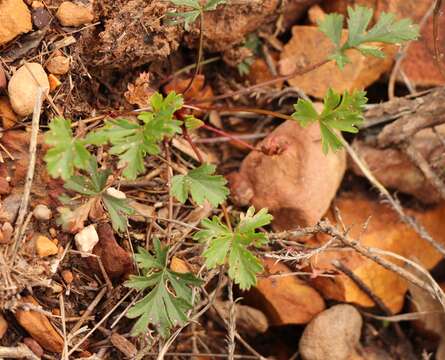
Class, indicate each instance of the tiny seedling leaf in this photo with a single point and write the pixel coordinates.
(66, 153)
(169, 294)
(202, 184)
(386, 30)
(93, 185)
(231, 247)
(192, 123)
(132, 140)
(340, 112)
(189, 17)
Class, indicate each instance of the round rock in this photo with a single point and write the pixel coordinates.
(58, 65)
(334, 334)
(23, 87)
(42, 212)
(70, 14)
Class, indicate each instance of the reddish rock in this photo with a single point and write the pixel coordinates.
(117, 262)
(334, 334)
(394, 169)
(359, 73)
(419, 64)
(7, 115)
(296, 184)
(39, 327)
(3, 326)
(15, 19)
(385, 231)
(284, 299)
(3, 81)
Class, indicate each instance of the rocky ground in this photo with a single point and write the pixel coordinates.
(354, 266)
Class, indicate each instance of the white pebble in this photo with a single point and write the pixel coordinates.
(42, 212)
(86, 239)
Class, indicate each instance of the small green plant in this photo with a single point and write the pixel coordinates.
(67, 153)
(202, 185)
(252, 43)
(190, 16)
(169, 294)
(386, 30)
(92, 186)
(132, 140)
(340, 112)
(226, 246)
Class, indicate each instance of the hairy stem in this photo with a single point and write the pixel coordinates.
(276, 79)
(232, 137)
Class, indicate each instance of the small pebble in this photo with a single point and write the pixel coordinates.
(56, 311)
(178, 265)
(42, 212)
(40, 17)
(45, 247)
(116, 193)
(6, 231)
(54, 82)
(58, 65)
(86, 239)
(70, 14)
(24, 85)
(53, 232)
(67, 276)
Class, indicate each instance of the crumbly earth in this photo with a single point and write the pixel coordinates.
(134, 33)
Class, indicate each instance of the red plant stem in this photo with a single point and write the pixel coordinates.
(246, 109)
(232, 137)
(297, 72)
(193, 145)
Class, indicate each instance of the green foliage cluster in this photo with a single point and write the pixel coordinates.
(169, 295)
(226, 246)
(386, 30)
(340, 112)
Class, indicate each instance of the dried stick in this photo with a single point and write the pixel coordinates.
(19, 352)
(81, 341)
(88, 311)
(377, 301)
(231, 324)
(297, 72)
(417, 158)
(410, 221)
(437, 55)
(362, 286)
(18, 234)
(371, 254)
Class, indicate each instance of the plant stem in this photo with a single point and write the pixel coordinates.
(198, 62)
(232, 137)
(297, 72)
(250, 110)
(189, 67)
(193, 145)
